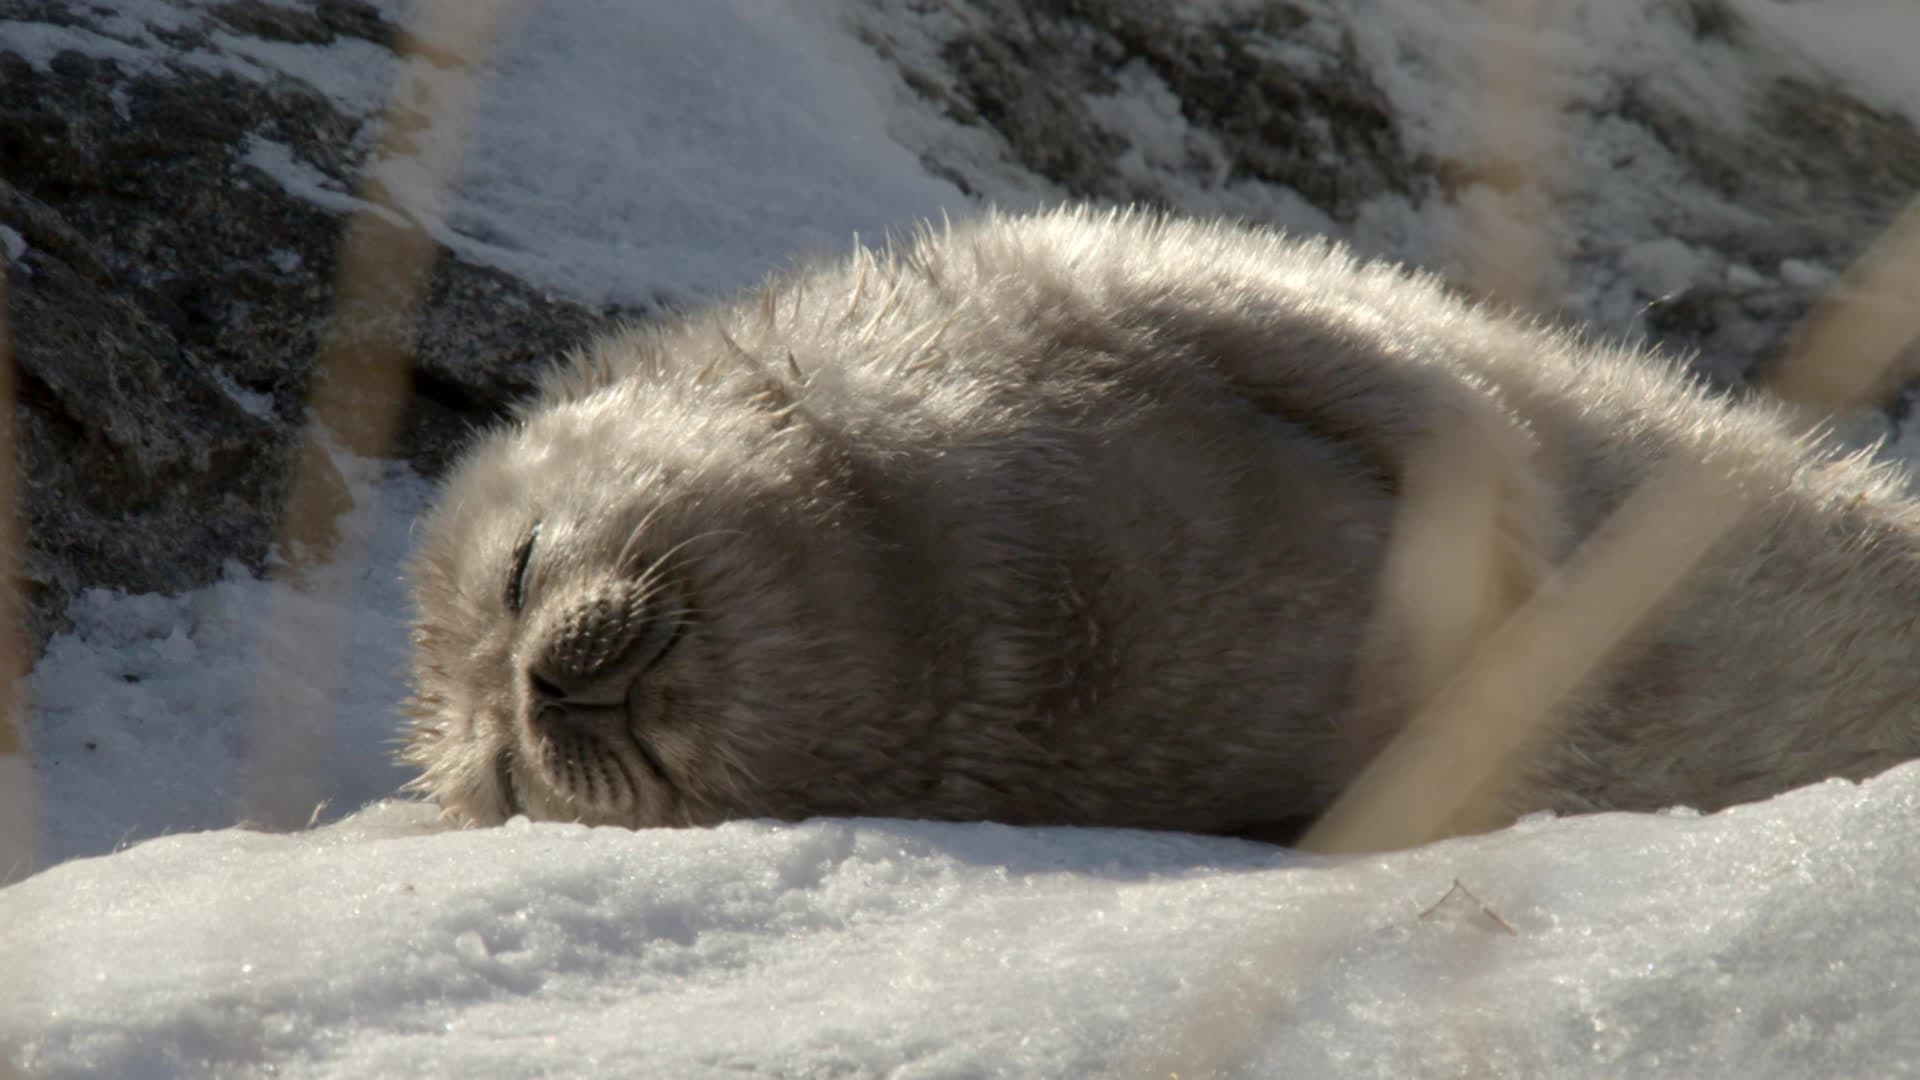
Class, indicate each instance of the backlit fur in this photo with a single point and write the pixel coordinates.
(1081, 518)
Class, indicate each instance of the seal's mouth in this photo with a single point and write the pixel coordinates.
(586, 748)
(598, 774)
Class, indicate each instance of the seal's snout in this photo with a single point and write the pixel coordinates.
(582, 669)
(589, 653)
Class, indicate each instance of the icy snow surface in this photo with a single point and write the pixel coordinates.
(640, 152)
(1769, 941)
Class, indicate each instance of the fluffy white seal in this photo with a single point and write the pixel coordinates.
(1082, 518)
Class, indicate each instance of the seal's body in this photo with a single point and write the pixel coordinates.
(1084, 519)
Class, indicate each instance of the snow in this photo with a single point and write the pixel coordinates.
(165, 713)
(1767, 941)
(1806, 273)
(678, 153)
(1663, 267)
(1541, 88)
(685, 150)
(278, 161)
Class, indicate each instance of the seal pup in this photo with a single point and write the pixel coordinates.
(1083, 518)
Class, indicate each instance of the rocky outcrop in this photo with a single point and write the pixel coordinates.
(1736, 223)
(168, 289)
(166, 298)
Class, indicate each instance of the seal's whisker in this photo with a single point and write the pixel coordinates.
(632, 547)
(663, 562)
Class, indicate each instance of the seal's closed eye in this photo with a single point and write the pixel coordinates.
(665, 638)
(517, 574)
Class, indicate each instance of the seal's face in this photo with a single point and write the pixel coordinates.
(587, 685)
(615, 626)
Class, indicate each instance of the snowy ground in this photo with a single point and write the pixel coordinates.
(1772, 940)
(1768, 941)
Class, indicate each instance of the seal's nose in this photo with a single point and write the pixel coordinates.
(587, 652)
(558, 712)
(545, 692)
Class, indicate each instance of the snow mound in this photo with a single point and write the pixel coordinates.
(1769, 940)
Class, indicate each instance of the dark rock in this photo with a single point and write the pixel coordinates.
(321, 24)
(1024, 70)
(1284, 98)
(171, 299)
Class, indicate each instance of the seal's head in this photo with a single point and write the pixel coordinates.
(634, 604)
